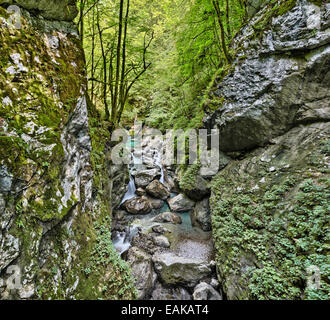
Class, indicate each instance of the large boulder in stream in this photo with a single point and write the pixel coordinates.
(144, 177)
(156, 203)
(169, 217)
(161, 241)
(200, 215)
(157, 190)
(177, 270)
(137, 205)
(142, 271)
(180, 203)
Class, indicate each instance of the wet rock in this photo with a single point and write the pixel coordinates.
(156, 203)
(162, 241)
(176, 270)
(170, 217)
(268, 91)
(119, 179)
(140, 192)
(6, 180)
(180, 203)
(145, 177)
(197, 190)
(119, 214)
(137, 206)
(215, 283)
(9, 250)
(160, 229)
(204, 291)
(142, 271)
(27, 292)
(157, 190)
(144, 242)
(163, 293)
(200, 215)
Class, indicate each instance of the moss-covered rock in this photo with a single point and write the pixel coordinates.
(270, 216)
(62, 10)
(55, 203)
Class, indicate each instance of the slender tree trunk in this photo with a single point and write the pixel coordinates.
(104, 57)
(222, 30)
(93, 55)
(228, 19)
(81, 20)
(116, 89)
(122, 98)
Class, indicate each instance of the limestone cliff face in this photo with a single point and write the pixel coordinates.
(54, 212)
(269, 206)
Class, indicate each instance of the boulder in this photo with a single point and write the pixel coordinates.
(140, 192)
(177, 293)
(160, 229)
(200, 215)
(197, 189)
(168, 217)
(156, 203)
(144, 177)
(119, 214)
(142, 271)
(267, 90)
(157, 190)
(180, 203)
(161, 241)
(137, 205)
(177, 270)
(204, 291)
(9, 250)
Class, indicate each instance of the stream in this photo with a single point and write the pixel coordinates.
(170, 258)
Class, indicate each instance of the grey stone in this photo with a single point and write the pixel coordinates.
(137, 205)
(142, 271)
(180, 203)
(199, 190)
(177, 270)
(157, 190)
(204, 291)
(6, 180)
(200, 215)
(162, 293)
(268, 90)
(170, 217)
(161, 241)
(144, 177)
(9, 250)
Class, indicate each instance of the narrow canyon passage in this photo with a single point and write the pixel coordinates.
(170, 258)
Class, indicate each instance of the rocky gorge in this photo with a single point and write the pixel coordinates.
(77, 226)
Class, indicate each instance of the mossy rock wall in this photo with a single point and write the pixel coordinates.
(270, 217)
(55, 203)
(270, 207)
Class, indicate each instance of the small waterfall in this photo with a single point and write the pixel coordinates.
(130, 191)
(158, 164)
(122, 240)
